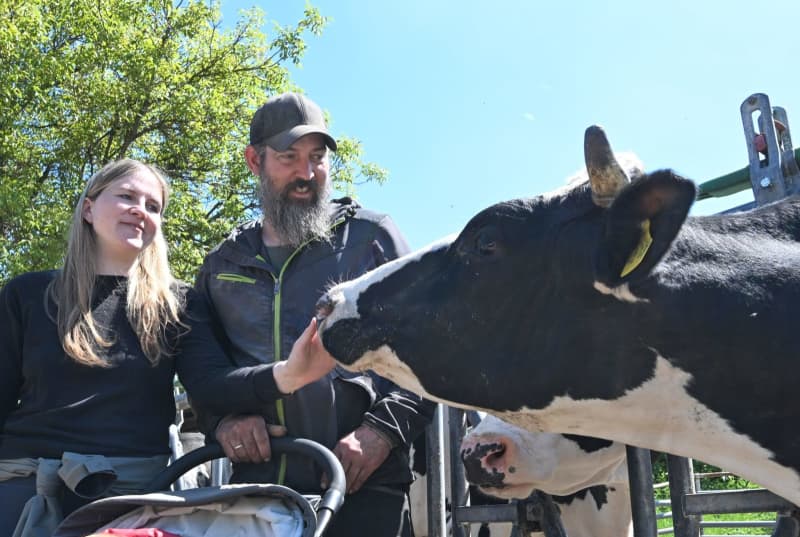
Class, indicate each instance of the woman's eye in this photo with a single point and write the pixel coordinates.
(125, 196)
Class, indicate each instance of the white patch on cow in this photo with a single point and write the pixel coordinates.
(345, 295)
(582, 518)
(549, 462)
(661, 415)
(385, 362)
(620, 292)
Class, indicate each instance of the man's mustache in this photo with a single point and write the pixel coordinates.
(300, 183)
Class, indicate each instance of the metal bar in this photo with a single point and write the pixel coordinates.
(437, 521)
(789, 167)
(458, 479)
(738, 524)
(787, 525)
(548, 516)
(734, 501)
(766, 173)
(486, 513)
(681, 483)
(643, 507)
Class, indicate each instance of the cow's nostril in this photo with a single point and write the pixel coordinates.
(324, 307)
(497, 455)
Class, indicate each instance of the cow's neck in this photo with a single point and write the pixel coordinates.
(661, 415)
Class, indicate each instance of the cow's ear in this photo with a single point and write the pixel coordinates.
(640, 225)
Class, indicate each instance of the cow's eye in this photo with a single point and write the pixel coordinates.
(486, 242)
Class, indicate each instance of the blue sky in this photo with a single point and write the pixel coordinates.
(468, 103)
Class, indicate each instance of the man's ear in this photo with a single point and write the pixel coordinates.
(87, 211)
(253, 159)
(640, 225)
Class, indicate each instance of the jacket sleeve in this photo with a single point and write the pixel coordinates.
(216, 386)
(11, 331)
(399, 415)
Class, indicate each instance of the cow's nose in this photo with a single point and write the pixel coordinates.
(485, 464)
(324, 307)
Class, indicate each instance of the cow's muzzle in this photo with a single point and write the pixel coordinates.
(324, 308)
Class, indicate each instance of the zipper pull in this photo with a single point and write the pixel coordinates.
(276, 289)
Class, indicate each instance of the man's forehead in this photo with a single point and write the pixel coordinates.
(309, 142)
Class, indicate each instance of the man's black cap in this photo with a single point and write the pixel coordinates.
(285, 118)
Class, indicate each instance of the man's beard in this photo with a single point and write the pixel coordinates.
(296, 221)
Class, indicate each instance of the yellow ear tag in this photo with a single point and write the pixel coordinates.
(645, 240)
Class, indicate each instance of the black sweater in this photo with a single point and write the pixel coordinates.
(49, 403)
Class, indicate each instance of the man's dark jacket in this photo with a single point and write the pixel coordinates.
(259, 310)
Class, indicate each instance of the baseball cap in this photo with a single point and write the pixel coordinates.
(285, 118)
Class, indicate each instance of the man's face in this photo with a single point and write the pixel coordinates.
(295, 189)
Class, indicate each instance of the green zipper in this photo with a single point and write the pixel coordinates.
(276, 336)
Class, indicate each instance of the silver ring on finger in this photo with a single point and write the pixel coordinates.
(238, 446)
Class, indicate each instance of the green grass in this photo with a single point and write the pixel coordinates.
(739, 517)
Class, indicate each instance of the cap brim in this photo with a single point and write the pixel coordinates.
(282, 141)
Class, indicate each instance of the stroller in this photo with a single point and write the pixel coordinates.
(263, 510)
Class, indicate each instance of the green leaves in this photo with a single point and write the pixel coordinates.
(83, 82)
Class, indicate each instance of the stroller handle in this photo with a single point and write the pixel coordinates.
(331, 500)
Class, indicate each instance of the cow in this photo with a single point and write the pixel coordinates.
(603, 310)
(587, 477)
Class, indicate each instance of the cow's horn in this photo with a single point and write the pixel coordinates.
(606, 176)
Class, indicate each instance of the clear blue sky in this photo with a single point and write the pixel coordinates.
(468, 103)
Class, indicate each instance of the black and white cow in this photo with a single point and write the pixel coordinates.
(587, 477)
(601, 310)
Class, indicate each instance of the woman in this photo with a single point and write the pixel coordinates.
(88, 355)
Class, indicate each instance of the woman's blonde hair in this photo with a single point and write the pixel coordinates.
(153, 300)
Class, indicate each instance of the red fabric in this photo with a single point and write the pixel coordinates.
(138, 532)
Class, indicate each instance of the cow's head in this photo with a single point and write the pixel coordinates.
(523, 287)
(509, 462)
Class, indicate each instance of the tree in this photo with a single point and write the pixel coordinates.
(83, 82)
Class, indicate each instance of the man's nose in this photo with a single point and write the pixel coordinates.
(305, 169)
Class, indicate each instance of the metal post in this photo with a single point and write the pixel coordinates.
(458, 480)
(681, 483)
(437, 522)
(643, 505)
(766, 174)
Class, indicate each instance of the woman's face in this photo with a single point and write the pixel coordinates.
(126, 217)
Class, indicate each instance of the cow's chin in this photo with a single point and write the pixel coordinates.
(508, 492)
(385, 362)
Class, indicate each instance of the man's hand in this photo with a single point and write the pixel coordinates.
(361, 453)
(308, 361)
(245, 438)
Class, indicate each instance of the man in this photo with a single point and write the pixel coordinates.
(262, 284)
